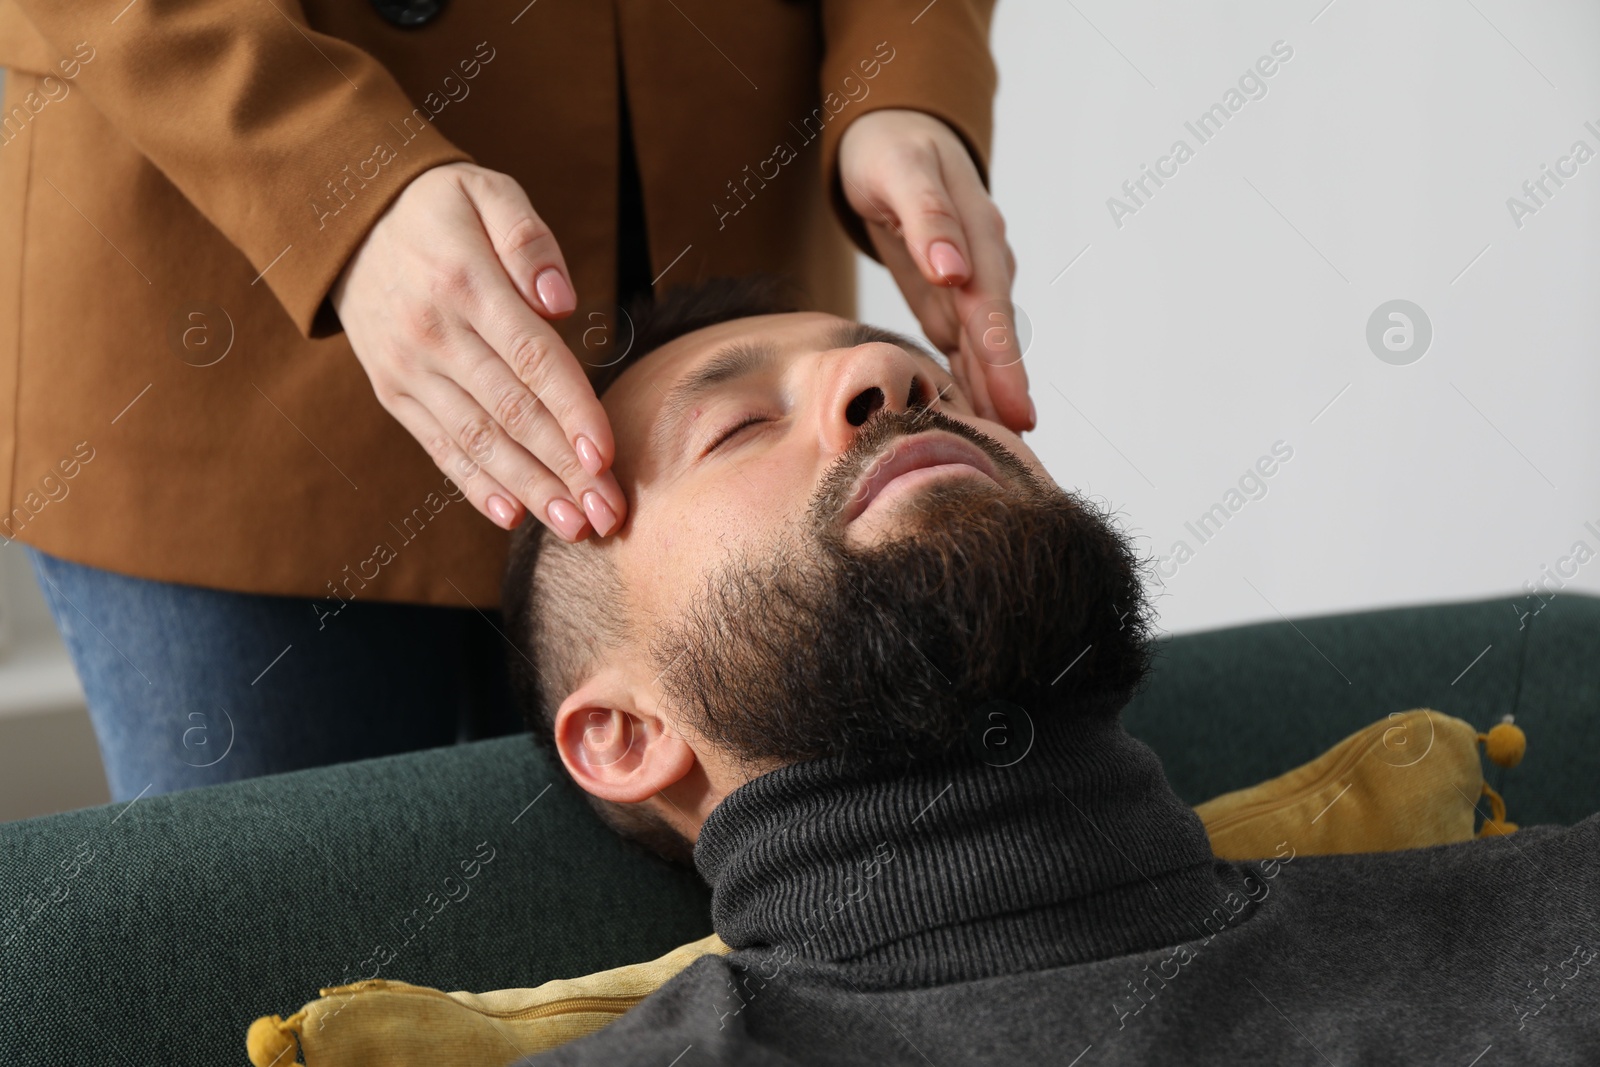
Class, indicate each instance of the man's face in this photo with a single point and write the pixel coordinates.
(698, 496)
(829, 551)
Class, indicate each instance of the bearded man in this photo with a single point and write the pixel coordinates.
(859, 659)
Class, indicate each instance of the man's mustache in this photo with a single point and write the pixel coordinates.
(879, 433)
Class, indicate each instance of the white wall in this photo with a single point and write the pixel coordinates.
(1231, 309)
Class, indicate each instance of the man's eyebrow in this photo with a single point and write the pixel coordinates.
(731, 362)
(743, 358)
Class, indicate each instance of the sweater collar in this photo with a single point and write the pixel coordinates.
(958, 869)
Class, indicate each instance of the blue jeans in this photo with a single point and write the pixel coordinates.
(189, 686)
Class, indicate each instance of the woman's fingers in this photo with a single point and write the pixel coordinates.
(931, 305)
(466, 429)
(983, 306)
(497, 421)
(481, 489)
(901, 184)
(526, 247)
(936, 310)
(443, 305)
(968, 369)
(919, 207)
(532, 261)
(539, 394)
(908, 174)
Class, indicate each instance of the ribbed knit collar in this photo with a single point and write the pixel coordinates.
(958, 869)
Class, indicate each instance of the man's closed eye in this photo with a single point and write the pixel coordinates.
(727, 434)
(922, 393)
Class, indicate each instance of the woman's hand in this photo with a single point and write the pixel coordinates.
(912, 181)
(442, 303)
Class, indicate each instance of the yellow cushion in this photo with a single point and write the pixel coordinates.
(395, 1024)
(1406, 781)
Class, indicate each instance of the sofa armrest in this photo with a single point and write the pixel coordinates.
(155, 931)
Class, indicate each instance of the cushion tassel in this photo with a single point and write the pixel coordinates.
(270, 1039)
(1505, 743)
(1497, 823)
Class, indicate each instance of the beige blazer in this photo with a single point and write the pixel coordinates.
(181, 184)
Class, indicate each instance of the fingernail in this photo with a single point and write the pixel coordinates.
(1033, 414)
(588, 455)
(566, 517)
(601, 517)
(501, 511)
(946, 260)
(554, 291)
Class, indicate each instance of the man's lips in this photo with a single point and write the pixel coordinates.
(931, 448)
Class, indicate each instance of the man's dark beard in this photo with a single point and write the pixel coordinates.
(897, 650)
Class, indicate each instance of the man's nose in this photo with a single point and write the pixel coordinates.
(863, 379)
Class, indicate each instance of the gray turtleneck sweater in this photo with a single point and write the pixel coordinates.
(1068, 910)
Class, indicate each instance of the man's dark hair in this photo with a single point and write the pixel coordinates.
(648, 322)
(563, 604)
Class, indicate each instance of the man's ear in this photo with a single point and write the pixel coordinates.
(615, 744)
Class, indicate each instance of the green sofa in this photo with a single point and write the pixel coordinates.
(154, 932)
